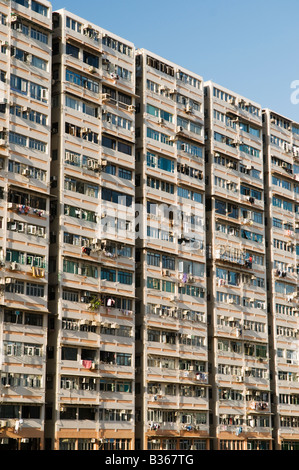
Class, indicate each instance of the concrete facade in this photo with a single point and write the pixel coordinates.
(148, 249)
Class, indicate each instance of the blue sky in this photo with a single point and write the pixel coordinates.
(248, 47)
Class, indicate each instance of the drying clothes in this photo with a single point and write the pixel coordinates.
(154, 426)
(23, 209)
(87, 364)
(110, 302)
(18, 425)
(38, 272)
(38, 212)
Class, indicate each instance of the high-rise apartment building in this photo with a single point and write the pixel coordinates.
(25, 120)
(236, 272)
(148, 249)
(281, 152)
(171, 319)
(92, 286)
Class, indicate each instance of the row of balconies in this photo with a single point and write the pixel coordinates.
(181, 376)
(241, 430)
(237, 107)
(162, 427)
(245, 379)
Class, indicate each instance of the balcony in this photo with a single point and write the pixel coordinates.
(26, 210)
(239, 430)
(233, 256)
(259, 406)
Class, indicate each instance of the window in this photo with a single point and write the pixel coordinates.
(39, 36)
(153, 283)
(117, 45)
(19, 84)
(108, 274)
(90, 59)
(125, 278)
(38, 8)
(125, 174)
(74, 25)
(39, 63)
(156, 161)
(123, 359)
(159, 136)
(35, 290)
(71, 267)
(153, 259)
(250, 150)
(69, 354)
(116, 197)
(37, 145)
(188, 194)
(160, 66)
(82, 81)
(72, 50)
(15, 287)
(168, 262)
(168, 286)
(38, 92)
(17, 139)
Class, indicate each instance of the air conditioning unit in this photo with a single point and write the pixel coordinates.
(14, 266)
(26, 172)
(87, 26)
(92, 69)
(40, 231)
(13, 18)
(161, 121)
(90, 164)
(28, 58)
(180, 129)
(105, 97)
(114, 75)
(72, 130)
(166, 272)
(31, 229)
